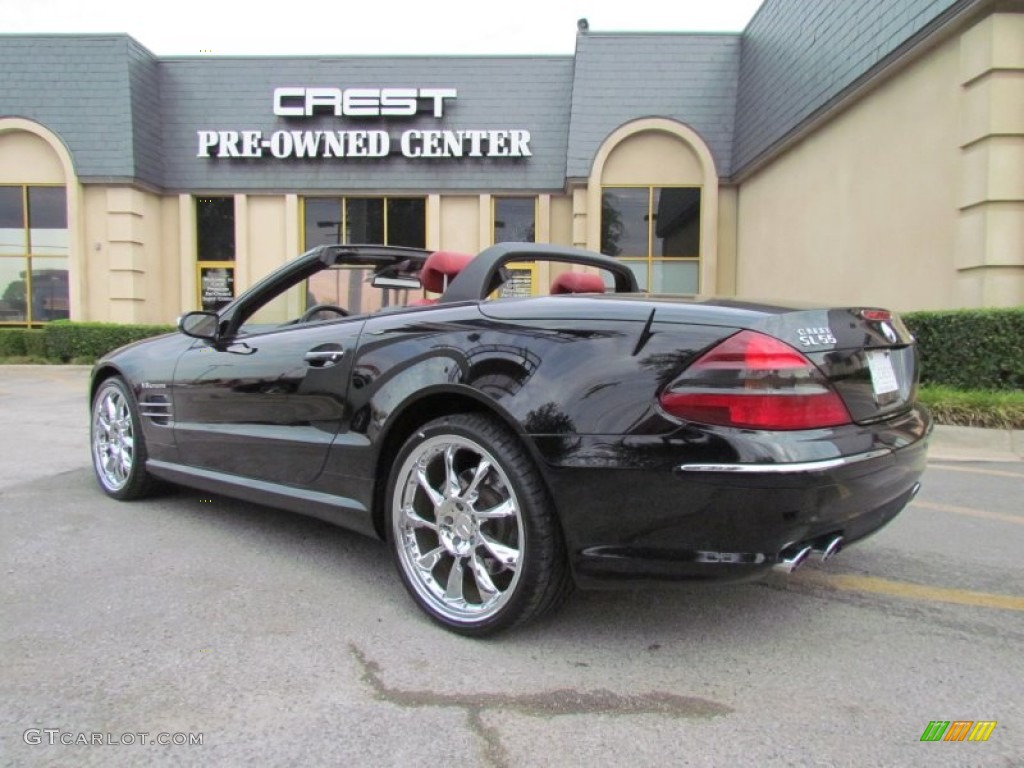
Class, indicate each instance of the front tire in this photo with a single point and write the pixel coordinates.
(472, 529)
(118, 446)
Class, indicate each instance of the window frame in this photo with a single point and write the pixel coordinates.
(494, 216)
(26, 256)
(650, 259)
(201, 264)
(343, 224)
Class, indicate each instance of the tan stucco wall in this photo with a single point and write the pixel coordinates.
(461, 223)
(131, 267)
(267, 238)
(867, 209)
(561, 220)
(864, 209)
(990, 234)
(728, 208)
(27, 159)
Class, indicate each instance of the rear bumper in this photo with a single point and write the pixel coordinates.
(650, 517)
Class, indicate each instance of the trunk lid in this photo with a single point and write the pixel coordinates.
(866, 353)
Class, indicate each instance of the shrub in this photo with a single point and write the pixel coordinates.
(971, 349)
(12, 342)
(35, 343)
(66, 340)
(974, 408)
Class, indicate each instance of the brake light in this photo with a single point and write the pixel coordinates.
(754, 381)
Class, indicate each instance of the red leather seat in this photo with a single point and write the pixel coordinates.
(439, 270)
(577, 282)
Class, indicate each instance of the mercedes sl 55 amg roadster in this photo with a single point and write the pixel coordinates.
(507, 445)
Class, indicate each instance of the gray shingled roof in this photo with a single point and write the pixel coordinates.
(79, 87)
(126, 115)
(799, 55)
(621, 77)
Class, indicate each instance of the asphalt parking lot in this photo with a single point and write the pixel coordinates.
(280, 640)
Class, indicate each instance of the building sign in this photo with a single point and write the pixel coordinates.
(361, 104)
(216, 286)
(520, 281)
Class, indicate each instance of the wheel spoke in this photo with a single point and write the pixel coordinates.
(453, 592)
(435, 497)
(478, 474)
(426, 562)
(451, 479)
(506, 508)
(483, 579)
(506, 555)
(414, 519)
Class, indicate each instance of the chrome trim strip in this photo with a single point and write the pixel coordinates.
(785, 469)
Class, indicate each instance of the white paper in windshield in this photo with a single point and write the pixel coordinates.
(883, 377)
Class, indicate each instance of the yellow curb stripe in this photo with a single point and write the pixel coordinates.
(982, 513)
(974, 471)
(910, 591)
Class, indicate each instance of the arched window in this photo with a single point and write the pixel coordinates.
(33, 254)
(653, 202)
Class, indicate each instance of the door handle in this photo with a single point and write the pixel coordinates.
(324, 358)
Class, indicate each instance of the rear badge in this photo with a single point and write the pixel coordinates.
(815, 337)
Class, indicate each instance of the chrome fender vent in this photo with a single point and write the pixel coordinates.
(156, 408)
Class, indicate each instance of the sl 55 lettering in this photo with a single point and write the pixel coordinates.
(813, 337)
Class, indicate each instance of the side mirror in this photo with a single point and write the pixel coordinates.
(199, 325)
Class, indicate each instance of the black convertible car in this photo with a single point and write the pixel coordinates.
(508, 447)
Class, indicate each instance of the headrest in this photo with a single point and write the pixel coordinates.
(577, 282)
(441, 267)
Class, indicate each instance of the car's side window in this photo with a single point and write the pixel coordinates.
(344, 290)
(285, 307)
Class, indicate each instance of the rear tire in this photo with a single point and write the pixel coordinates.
(472, 528)
(118, 445)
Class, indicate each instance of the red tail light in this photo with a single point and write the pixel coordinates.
(754, 381)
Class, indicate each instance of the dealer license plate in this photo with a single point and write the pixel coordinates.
(883, 376)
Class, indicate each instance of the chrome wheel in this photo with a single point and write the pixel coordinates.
(457, 527)
(118, 447)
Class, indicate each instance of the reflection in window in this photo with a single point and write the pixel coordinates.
(215, 228)
(215, 251)
(656, 230)
(365, 221)
(407, 222)
(515, 220)
(33, 254)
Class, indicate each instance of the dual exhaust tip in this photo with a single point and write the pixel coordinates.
(793, 557)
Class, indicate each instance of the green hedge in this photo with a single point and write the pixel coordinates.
(66, 340)
(22, 342)
(971, 348)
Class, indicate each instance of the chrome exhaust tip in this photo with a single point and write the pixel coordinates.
(914, 490)
(792, 558)
(831, 547)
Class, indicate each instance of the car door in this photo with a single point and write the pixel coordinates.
(265, 405)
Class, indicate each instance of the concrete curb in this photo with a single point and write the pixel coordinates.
(976, 444)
